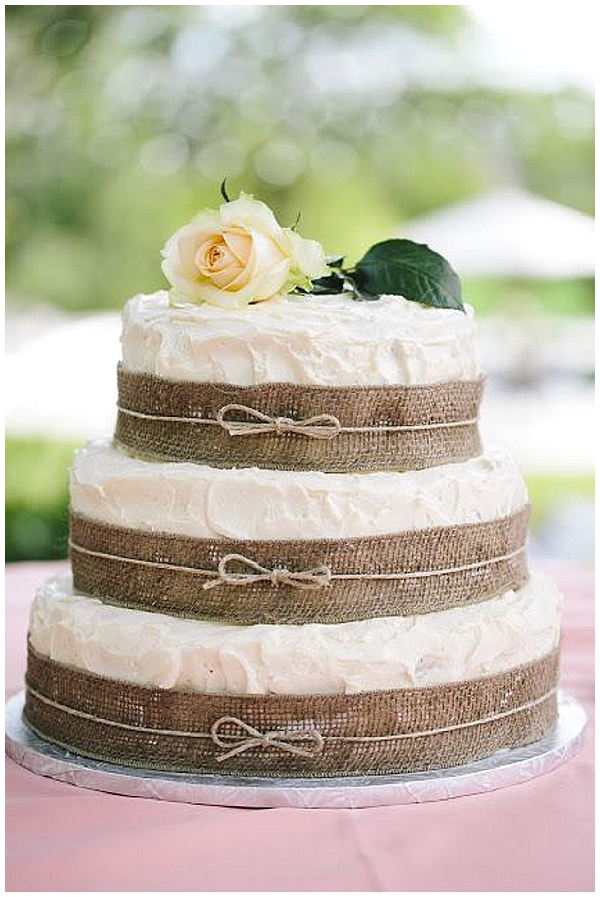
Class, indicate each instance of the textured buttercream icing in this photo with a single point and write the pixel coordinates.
(326, 340)
(193, 500)
(398, 652)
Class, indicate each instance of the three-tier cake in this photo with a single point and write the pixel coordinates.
(294, 557)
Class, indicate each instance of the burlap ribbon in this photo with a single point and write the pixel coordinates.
(401, 730)
(300, 581)
(284, 426)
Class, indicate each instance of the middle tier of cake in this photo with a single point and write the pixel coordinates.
(257, 546)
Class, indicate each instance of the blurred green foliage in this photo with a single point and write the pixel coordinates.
(548, 491)
(573, 296)
(122, 121)
(37, 497)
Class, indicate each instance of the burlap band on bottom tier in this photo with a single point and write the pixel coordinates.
(286, 426)
(300, 581)
(403, 730)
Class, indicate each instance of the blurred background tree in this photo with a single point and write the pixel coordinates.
(121, 121)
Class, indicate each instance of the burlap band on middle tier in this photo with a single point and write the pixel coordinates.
(400, 730)
(300, 581)
(285, 426)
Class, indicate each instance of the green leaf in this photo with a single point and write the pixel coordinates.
(330, 283)
(412, 270)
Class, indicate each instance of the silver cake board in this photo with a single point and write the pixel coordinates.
(501, 770)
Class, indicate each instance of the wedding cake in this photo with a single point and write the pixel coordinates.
(295, 557)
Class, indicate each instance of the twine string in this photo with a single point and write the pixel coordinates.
(320, 426)
(303, 579)
(316, 578)
(289, 741)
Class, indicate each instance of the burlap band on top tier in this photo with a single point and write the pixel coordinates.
(284, 426)
(300, 581)
(402, 730)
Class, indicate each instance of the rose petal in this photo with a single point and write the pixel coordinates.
(265, 253)
(308, 255)
(206, 261)
(247, 209)
(239, 242)
(265, 286)
(225, 278)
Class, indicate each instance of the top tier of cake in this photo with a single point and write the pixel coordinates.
(309, 340)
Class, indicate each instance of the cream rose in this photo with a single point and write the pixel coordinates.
(239, 255)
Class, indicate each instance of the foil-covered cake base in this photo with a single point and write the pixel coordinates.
(501, 770)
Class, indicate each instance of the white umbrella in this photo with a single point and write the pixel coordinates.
(510, 233)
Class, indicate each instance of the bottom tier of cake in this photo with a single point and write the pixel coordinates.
(372, 697)
(368, 733)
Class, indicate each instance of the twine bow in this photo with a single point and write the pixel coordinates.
(321, 426)
(289, 741)
(303, 579)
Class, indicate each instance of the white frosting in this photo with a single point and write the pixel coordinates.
(193, 500)
(328, 340)
(397, 652)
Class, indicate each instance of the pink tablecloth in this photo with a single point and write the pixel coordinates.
(532, 837)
